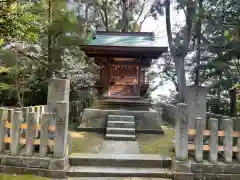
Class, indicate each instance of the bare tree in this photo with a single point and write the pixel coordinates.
(179, 46)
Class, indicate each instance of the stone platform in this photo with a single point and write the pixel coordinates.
(96, 119)
(128, 103)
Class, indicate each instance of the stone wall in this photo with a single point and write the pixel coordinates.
(97, 118)
(169, 115)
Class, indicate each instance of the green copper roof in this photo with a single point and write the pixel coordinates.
(124, 40)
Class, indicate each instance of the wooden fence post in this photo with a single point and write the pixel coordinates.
(199, 139)
(15, 133)
(181, 147)
(238, 145)
(10, 118)
(25, 113)
(31, 132)
(228, 140)
(3, 120)
(213, 123)
(62, 113)
(46, 119)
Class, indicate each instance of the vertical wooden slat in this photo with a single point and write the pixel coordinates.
(46, 118)
(45, 109)
(10, 119)
(37, 111)
(213, 140)
(15, 133)
(32, 109)
(41, 113)
(199, 139)
(181, 147)
(3, 119)
(238, 153)
(25, 113)
(228, 140)
(31, 133)
(62, 114)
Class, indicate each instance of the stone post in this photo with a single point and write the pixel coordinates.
(181, 147)
(228, 140)
(31, 132)
(213, 123)
(15, 133)
(46, 118)
(62, 113)
(58, 90)
(238, 145)
(3, 120)
(196, 99)
(199, 140)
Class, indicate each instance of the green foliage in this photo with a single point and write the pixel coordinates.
(38, 41)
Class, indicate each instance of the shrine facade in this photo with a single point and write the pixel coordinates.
(123, 59)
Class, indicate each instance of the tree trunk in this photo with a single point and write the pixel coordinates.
(125, 18)
(180, 71)
(198, 35)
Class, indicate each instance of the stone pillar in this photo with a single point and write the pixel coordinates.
(196, 99)
(181, 129)
(199, 140)
(62, 113)
(58, 90)
(213, 123)
(228, 140)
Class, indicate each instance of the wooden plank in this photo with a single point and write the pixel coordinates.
(24, 126)
(192, 147)
(192, 132)
(23, 141)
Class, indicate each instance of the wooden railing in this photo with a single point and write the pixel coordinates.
(230, 139)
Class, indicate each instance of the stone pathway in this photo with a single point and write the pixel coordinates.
(119, 147)
(115, 178)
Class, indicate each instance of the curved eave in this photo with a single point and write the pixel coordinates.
(123, 51)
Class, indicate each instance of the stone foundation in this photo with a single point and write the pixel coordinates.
(45, 167)
(144, 120)
(190, 170)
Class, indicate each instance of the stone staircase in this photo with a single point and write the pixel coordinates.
(119, 165)
(120, 128)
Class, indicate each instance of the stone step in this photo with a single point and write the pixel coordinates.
(93, 171)
(120, 118)
(120, 137)
(120, 124)
(120, 160)
(121, 131)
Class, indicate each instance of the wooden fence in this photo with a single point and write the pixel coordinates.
(231, 138)
(19, 130)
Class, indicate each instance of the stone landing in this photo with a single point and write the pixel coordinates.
(145, 121)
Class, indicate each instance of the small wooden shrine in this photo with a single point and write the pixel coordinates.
(123, 58)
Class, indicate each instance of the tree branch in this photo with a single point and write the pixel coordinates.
(168, 25)
(140, 14)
